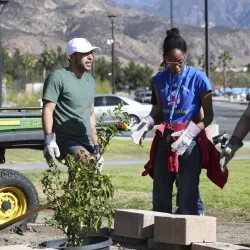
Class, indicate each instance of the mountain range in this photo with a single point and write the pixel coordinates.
(32, 25)
(231, 13)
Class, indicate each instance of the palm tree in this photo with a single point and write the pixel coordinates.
(248, 68)
(202, 61)
(47, 60)
(27, 62)
(248, 71)
(224, 58)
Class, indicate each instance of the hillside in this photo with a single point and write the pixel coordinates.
(231, 13)
(31, 25)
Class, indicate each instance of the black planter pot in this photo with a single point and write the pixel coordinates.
(89, 243)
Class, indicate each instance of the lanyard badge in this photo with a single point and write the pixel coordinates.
(175, 98)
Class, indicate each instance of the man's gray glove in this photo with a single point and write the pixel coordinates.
(51, 150)
(97, 151)
(228, 152)
(139, 131)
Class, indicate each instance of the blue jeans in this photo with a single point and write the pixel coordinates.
(188, 181)
(199, 202)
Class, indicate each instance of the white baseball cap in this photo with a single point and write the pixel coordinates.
(81, 45)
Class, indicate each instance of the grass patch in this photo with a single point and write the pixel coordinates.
(119, 150)
(134, 191)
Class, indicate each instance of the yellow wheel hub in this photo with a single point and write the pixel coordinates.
(13, 203)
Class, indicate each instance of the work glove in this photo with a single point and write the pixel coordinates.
(51, 150)
(100, 164)
(139, 131)
(97, 154)
(185, 138)
(228, 152)
(97, 151)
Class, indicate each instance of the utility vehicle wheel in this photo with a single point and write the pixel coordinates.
(17, 196)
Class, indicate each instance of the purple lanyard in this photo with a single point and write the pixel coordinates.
(174, 100)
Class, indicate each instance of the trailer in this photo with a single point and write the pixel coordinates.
(20, 127)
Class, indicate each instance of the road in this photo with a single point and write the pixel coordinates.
(225, 114)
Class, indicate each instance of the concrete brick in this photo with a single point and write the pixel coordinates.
(132, 223)
(217, 246)
(184, 229)
(165, 246)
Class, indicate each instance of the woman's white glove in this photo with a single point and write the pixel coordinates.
(51, 149)
(139, 131)
(228, 152)
(185, 138)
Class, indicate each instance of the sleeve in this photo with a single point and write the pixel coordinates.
(153, 98)
(52, 87)
(204, 84)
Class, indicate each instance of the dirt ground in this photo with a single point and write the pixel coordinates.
(230, 229)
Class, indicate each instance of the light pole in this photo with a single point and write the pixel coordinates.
(2, 5)
(171, 14)
(112, 18)
(207, 60)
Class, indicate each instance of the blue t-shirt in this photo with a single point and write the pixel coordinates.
(193, 86)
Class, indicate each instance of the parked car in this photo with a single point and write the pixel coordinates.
(136, 110)
(144, 96)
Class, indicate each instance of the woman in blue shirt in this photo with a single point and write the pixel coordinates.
(181, 92)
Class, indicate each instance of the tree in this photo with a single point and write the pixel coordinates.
(27, 62)
(202, 61)
(47, 60)
(190, 63)
(61, 59)
(224, 58)
(118, 75)
(248, 71)
(136, 76)
(248, 68)
(102, 68)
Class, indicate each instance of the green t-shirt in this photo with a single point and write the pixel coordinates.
(73, 98)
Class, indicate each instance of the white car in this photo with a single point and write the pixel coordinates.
(135, 110)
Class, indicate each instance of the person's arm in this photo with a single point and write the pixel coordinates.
(208, 115)
(235, 143)
(156, 102)
(93, 127)
(207, 130)
(139, 131)
(51, 92)
(243, 126)
(47, 116)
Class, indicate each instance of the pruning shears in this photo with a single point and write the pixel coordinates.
(222, 139)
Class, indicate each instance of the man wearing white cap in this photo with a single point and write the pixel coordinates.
(68, 106)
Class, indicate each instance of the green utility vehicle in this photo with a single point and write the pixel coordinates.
(20, 127)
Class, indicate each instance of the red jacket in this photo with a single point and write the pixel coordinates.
(210, 156)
